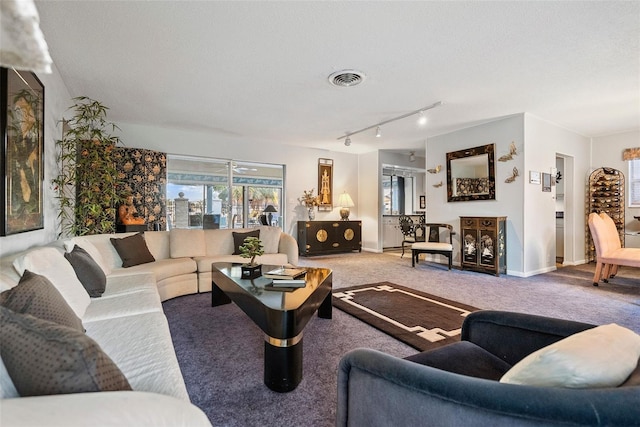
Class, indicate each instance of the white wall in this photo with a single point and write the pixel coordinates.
(301, 163)
(607, 151)
(543, 141)
(509, 197)
(370, 200)
(56, 101)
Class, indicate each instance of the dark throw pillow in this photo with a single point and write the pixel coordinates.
(36, 295)
(238, 239)
(133, 250)
(88, 271)
(44, 358)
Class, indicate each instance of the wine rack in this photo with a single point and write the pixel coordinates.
(605, 194)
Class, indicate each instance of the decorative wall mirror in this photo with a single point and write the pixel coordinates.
(471, 174)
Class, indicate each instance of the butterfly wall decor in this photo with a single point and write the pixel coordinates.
(512, 152)
(512, 177)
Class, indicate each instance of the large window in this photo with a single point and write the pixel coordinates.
(213, 193)
(634, 183)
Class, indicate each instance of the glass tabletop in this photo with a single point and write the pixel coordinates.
(276, 299)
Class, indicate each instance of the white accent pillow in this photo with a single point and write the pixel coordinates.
(600, 357)
(91, 250)
(50, 262)
(270, 237)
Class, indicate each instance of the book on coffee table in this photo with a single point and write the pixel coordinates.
(285, 273)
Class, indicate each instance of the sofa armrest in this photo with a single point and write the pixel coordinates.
(377, 389)
(108, 408)
(289, 245)
(512, 336)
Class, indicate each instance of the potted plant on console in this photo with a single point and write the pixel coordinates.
(251, 248)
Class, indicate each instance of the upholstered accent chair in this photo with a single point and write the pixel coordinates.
(439, 240)
(609, 252)
(462, 384)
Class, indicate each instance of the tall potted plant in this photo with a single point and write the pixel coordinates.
(86, 182)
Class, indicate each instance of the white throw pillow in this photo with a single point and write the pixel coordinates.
(600, 357)
(270, 237)
(50, 262)
(93, 252)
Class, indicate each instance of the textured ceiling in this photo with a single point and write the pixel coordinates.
(257, 71)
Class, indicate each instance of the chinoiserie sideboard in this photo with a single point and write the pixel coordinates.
(484, 244)
(323, 237)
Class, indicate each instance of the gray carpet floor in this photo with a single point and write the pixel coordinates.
(221, 352)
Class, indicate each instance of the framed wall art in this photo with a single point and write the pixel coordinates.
(546, 182)
(325, 184)
(423, 202)
(22, 130)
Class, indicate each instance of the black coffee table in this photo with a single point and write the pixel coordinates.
(282, 315)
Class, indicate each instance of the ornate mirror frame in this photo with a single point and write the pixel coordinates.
(489, 150)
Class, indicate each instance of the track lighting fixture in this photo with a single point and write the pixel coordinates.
(412, 156)
(347, 139)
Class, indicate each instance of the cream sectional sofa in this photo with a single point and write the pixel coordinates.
(129, 325)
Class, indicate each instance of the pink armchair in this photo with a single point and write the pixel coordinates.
(609, 252)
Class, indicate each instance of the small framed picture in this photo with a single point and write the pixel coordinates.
(534, 177)
(423, 202)
(546, 182)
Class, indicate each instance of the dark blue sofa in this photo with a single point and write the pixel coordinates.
(457, 385)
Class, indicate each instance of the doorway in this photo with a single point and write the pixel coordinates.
(565, 210)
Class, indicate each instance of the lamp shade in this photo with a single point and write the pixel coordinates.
(270, 208)
(345, 200)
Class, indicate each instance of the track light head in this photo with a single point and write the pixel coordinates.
(423, 119)
(347, 141)
(412, 156)
(378, 132)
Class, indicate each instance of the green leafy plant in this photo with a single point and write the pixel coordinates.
(251, 248)
(86, 182)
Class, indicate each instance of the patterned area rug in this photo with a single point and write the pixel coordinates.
(418, 319)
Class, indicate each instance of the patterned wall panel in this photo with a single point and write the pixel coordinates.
(143, 174)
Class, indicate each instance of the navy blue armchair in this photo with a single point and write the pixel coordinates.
(458, 384)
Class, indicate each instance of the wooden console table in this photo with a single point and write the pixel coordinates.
(484, 244)
(323, 237)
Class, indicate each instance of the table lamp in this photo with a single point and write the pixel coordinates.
(269, 211)
(345, 202)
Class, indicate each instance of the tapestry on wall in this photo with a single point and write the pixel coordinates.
(466, 186)
(143, 175)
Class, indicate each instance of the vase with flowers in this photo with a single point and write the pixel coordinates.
(310, 202)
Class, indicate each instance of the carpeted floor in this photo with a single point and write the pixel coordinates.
(220, 351)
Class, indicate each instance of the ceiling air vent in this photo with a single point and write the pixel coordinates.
(346, 78)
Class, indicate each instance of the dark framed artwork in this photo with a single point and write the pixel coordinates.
(325, 184)
(22, 130)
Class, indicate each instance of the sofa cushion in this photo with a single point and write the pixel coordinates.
(270, 237)
(148, 360)
(604, 356)
(87, 270)
(218, 242)
(164, 268)
(43, 358)
(35, 295)
(91, 249)
(132, 250)
(238, 239)
(50, 262)
(464, 358)
(159, 243)
(187, 243)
